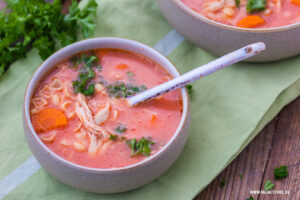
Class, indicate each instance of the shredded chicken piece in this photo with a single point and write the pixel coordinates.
(102, 115)
(95, 144)
(94, 131)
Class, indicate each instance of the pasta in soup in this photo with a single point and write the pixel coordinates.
(248, 13)
(80, 112)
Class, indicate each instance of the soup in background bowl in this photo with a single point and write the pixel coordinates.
(248, 13)
(80, 127)
(219, 35)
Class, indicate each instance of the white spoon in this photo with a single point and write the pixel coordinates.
(197, 73)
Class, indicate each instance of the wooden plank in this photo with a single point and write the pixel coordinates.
(251, 163)
(285, 151)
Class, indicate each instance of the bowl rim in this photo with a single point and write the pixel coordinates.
(31, 87)
(198, 16)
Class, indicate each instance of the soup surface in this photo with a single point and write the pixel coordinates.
(79, 109)
(248, 13)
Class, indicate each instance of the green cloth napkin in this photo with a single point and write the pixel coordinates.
(228, 109)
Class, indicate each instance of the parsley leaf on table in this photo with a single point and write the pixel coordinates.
(250, 198)
(268, 185)
(280, 172)
(223, 182)
(36, 23)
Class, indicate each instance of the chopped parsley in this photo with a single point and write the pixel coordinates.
(140, 147)
(223, 182)
(121, 128)
(268, 185)
(41, 25)
(130, 73)
(120, 89)
(83, 83)
(250, 198)
(241, 176)
(280, 172)
(256, 6)
(113, 137)
(189, 88)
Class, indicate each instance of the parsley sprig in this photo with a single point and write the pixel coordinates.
(280, 172)
(121, 128)
(143, 146)
(256, 5)
(41, 25)
(120, 89)
(84, 83)
(268, 185)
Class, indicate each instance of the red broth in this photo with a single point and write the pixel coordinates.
(277, 13)
(70, 133)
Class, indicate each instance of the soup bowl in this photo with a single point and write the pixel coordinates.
(281, 42)
(109, 180)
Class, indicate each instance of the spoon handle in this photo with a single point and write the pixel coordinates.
(197, 73)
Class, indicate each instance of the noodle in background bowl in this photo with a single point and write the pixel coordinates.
(219, 39)
(115, 179)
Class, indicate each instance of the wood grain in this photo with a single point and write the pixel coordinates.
(277, 144)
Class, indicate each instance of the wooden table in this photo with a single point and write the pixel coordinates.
(277, 144)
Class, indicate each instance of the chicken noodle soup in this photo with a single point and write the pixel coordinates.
(80, 112)
(248, 13)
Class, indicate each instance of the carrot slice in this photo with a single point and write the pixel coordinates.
(250, 21)
(122, 66)
(47, 119)
(297, 2)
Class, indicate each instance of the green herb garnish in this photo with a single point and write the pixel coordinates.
(237, 3)
(121, 89)
(121, 128)
(130, 73)
(223, 182)
(280, 172)
(83, 83)
(268, 185)
(41, 25)
(140, 147)
(250, 198)
(113, 137)
(189, 88)
(256, 6)
(241, 176)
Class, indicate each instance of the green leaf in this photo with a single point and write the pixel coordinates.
(140, 147)
(189, 88)
(39, 24)
(250, 198)
(45, 46)
(241, 176)
(268, 185)
(256, 5)
(223, 182)
(121, 128)
(280, 172)
(113, 137)
(237, 3)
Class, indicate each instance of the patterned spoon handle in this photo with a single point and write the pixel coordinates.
(197, 73)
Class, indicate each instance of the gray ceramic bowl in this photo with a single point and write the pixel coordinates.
(105, 180)
(219, 39)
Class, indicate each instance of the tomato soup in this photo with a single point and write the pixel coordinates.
(80, 112)
(248, 13)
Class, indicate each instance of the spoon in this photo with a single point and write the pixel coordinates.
(197, 73)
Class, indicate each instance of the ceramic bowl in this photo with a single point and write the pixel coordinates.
(219, 39)
(105, 180)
